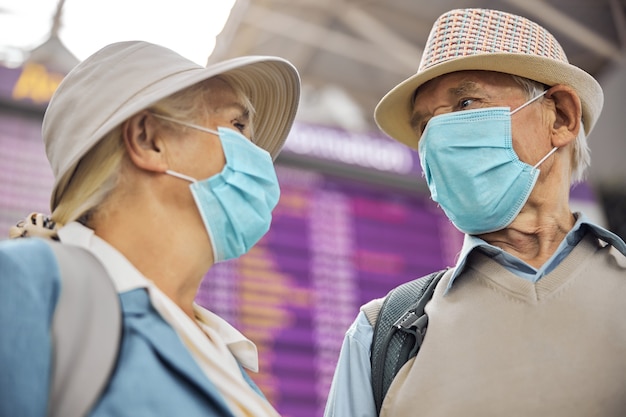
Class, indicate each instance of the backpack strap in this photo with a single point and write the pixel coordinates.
(86, 332)
(399, 330)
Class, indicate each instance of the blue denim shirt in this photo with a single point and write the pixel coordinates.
(351, 392)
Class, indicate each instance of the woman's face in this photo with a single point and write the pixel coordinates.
(198, 154)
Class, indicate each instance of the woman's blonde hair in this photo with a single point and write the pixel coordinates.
(99, 172)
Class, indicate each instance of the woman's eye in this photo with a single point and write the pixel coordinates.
(240, 126)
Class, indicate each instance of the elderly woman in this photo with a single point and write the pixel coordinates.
(162, 168)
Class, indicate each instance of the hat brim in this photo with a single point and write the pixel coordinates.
(393, 112)
(271, 83)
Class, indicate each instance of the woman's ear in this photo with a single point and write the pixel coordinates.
(568, 112)
(143, 144)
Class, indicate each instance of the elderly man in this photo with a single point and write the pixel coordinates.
(530, 319)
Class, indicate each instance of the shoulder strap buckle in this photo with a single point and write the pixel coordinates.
(411, 319)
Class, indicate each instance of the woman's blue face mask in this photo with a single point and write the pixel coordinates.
(235, 204)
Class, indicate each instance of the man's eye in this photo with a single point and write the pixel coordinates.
(465, 103)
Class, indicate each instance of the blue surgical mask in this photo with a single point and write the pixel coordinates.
(236, 204)
(472, 170)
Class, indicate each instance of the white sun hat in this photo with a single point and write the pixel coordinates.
(124, 78)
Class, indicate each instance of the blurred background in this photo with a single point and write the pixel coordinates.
(355, 218)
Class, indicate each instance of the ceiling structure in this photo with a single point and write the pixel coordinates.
(352, 52)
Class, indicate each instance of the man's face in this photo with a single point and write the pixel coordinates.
(468, 90)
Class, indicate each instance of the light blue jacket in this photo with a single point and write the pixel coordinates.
(155, 375)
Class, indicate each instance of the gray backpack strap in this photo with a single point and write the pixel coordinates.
(399, 331)
(86, 332)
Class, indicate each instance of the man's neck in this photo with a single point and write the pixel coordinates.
(533, 237)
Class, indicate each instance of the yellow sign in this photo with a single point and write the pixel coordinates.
(36, 83)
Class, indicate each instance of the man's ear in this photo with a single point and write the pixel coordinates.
(143, 144)
(568, 112)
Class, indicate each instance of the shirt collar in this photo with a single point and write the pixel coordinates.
(241, 347)
(581, 227)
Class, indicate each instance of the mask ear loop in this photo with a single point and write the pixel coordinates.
(181, 176)
(528, 102)
(546, 157)
(190, 125)
(187, 124)
(520, 108)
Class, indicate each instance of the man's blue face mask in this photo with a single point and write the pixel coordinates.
(235, 204)
(472, 170)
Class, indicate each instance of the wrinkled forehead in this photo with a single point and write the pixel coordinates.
(459, 82)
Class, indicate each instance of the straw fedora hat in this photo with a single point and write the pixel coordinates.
(124, 78)
(480, 39)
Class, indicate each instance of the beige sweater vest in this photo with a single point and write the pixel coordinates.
(499, 345)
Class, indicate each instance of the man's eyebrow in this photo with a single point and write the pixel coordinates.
(465, 88)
